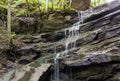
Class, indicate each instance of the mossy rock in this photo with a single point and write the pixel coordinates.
(35, 64)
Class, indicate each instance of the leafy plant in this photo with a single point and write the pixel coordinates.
(95, 3)
(34, 6)
(28, 7)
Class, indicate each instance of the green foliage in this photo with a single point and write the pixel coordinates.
(13, 35)
(3, 7)
(33, 6)
(22, 12)
(3, 3)
(95, 3)
(28, 7)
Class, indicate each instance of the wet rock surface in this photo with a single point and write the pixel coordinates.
(98, 46)
(97, 53)
(98, 39)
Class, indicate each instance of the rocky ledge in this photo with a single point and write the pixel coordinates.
(31, 72)
(99, 38)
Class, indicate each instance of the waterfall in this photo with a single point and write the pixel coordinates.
(71, 36)
(56, 66)
(56, 70)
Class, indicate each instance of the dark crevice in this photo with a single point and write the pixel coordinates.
(93, 65)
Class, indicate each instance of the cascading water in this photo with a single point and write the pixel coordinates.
(56, 66)
(71, 36)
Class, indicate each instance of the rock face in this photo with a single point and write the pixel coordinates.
(98, 46)
(99, 35)
(97, 53)
(100, 39)
(43, 23)
(31, 72)
(48, 22)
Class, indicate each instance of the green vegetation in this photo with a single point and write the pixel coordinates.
(43, 59)
(35, 64)
(95, 3)
(29, 7)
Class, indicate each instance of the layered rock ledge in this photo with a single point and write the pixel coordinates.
(31, 72)
(99, 37)
(98, 43)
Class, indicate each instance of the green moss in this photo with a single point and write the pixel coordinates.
(27, 75)
(42, 59)
(35, 64)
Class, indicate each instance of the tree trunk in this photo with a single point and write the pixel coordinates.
(9, 22)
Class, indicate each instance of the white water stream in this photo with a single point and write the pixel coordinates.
(71, 36)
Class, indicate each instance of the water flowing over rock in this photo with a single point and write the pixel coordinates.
(98, 43)
(71, 35)
(87, 52)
